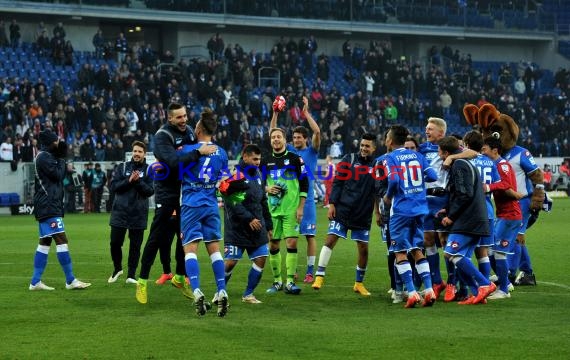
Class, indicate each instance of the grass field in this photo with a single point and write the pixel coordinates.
(106, 322)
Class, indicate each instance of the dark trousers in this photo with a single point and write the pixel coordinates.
(163, 229)
(135, 243)
(96, 195)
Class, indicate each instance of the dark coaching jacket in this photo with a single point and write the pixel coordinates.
(245, 200)
(48, 194)
(466, 205)
(354, 198)
(130, 206)
(167, 183)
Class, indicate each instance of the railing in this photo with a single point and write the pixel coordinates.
(269, 76)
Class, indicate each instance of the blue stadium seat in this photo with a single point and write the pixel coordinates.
(4, 199)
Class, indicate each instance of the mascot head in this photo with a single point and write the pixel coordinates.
(493, 123)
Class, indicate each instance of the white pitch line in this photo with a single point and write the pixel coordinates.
(554, 284)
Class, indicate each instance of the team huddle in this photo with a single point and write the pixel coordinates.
(439, 194)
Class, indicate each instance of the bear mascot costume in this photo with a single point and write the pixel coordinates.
(529, 179)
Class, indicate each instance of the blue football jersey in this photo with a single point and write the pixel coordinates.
(523, 164)
(430, 152)
(408, 171)
(199, 179)
(310, 157)
(489, 174)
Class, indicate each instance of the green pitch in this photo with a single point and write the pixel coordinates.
(106, 322)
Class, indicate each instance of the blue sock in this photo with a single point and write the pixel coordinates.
(423, 270)
(310, 269)
(416, 276)
(493, 263)
(471, 274)
(360, 274)
(450, 272)
(484, 266)
(525, 264)
(219, 272)
(253, 279)
(65, 262)
(432, 256)
(40, 263)
(192, 270)
(503, 274)
(405, 271)
(467, 283)
(398, 283)
(515, 260)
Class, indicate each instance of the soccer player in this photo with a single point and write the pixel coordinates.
(437, 197)
(466, 216)
(350, 208)
(166, 222)
(48, 210)
(530, 183)
(200, 217)
(247, 221)
(132, 187)
(509, 215)
(309, 154)
(407, 173)
(488, 175)
(287, 186)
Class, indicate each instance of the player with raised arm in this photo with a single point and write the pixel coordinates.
(309, 152)
(287, 186)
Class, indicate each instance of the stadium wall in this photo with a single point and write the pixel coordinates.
(174, 35)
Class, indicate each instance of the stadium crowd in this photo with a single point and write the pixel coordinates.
(107, 107)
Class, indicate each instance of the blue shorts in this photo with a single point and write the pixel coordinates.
(340, 230)
(435, 203)
(485, 241)
(406, 232)
(233, 252)
(309, 221)
(506, 235)
(51, 226)
(461, 244)
(197, 224)
(525, 209)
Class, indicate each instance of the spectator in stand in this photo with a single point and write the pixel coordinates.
(446, 101)
(99, 43)
(7, 150)
(57, 51)
(121, 47)
(15, 34)
(59, 31)
(43, 43)
(68, 53)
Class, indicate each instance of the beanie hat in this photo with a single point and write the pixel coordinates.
(47, 137)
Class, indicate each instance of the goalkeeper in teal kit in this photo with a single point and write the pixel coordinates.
(287, 185)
